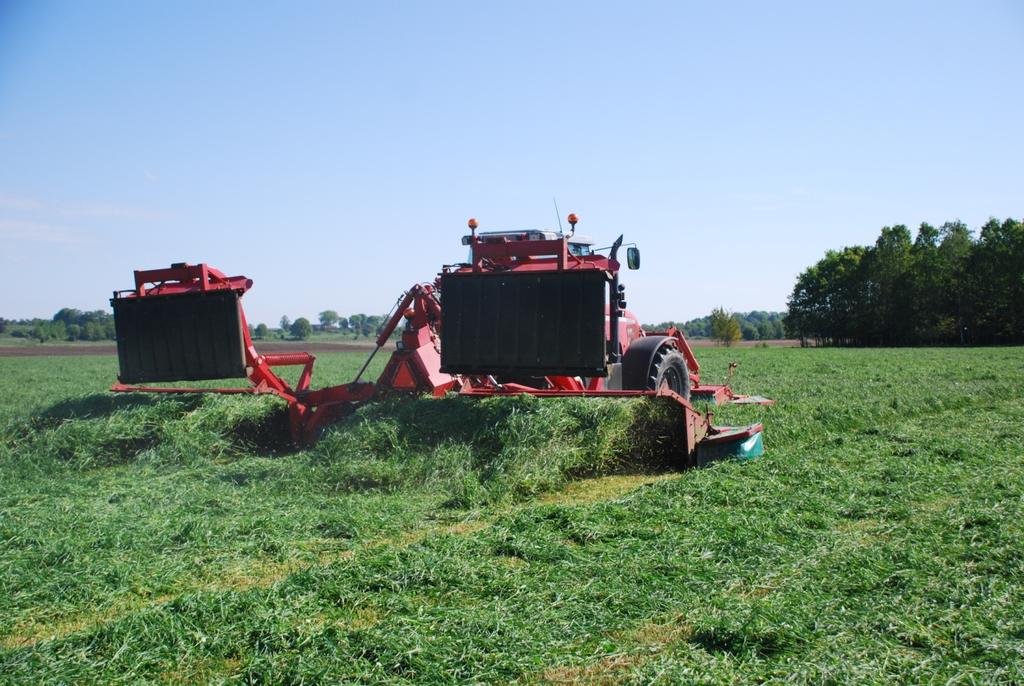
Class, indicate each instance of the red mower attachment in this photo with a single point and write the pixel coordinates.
(186, 323)
(531, 312)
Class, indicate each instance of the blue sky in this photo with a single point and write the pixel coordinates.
(333, 151)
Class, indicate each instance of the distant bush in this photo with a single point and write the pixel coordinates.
(725, 328)
(301, 328)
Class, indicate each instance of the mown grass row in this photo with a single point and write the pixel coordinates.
(879, 541)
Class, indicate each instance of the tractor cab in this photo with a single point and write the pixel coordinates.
(580, 246)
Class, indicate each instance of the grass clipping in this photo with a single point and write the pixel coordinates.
(477, 450)
(106, 430)
(502, 448)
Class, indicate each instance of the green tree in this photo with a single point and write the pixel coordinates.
(997, 282)
(68, 315)
(925, 281)
(328, 318)
(93, 331)
(44, 331)
(955, 250)
(262, 331)
(372, 324)
(724, 327)
(891, 278)
(831, 301)
(301, 328)
(778, 329)
(286, 325)
(357, 324)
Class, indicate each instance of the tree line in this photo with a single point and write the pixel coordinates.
(68, 324)
(750, 326)
(355, 325)
(944, 286)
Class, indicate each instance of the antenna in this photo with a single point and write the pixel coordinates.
(557, 215)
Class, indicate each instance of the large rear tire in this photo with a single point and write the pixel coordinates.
(668, 370)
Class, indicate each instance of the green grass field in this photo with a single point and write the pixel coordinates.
(177, 540)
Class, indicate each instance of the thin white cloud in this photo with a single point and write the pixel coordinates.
(43, 232)
(19, 203)
(109, 211)
(12, 202)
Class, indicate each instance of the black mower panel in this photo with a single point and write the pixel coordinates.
(524, 323)
(179, 337)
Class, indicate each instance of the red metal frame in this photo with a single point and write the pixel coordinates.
(415, 366)
(187, 278)
(533, 255)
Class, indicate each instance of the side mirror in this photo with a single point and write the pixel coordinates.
(633, 257)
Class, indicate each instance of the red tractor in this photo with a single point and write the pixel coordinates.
(534, 312)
